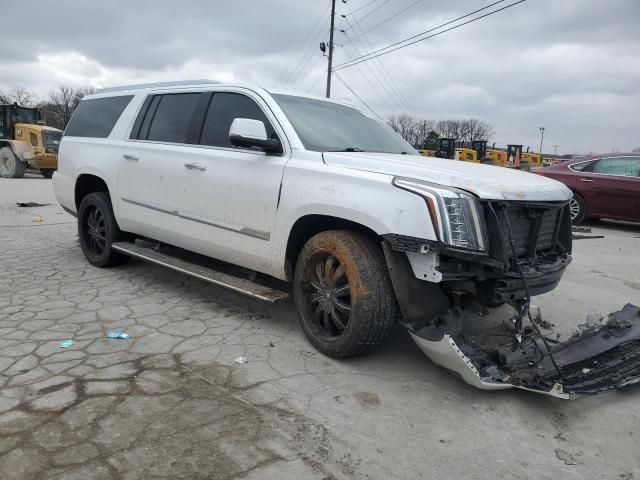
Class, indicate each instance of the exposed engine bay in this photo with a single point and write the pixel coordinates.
(471, 312)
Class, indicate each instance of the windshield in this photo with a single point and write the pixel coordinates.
(25, 115)
(326, 126)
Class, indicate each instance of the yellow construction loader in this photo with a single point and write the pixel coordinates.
(534, 159)
(25, 142)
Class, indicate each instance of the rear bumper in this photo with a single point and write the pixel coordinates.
(64, 190)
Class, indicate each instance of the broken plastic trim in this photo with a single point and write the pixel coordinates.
(600, 356)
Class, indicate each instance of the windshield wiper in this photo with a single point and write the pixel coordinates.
(348, 149)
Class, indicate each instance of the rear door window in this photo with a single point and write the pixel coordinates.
(172, 118)
(224, 108)
(624, 166)
(97, 117)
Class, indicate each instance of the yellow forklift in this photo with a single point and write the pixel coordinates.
(495, 156)
(514, 158)
(444, 148)
(534, 159)
(26, 142)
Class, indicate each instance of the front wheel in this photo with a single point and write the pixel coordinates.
(98, 229)
(10, 165)
(47, 172)
(343, 293)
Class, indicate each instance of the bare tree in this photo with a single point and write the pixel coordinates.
(21, 96)
(474, 129)
(448, 128)
(421, 132)
(24, 97)
(62, 103)
(80, 93)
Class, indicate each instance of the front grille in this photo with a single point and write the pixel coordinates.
(51, 141)
(533, 228)
(609, 370)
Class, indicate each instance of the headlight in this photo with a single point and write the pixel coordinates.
(454, 212)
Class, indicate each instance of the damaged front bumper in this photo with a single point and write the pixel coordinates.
(599, 357)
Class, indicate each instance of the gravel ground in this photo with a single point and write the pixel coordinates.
(171, 403)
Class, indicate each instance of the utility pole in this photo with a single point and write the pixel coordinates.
(333, 16)
(555, 150)
(541, 138)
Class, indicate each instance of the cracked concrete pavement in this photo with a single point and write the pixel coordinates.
(171, 403)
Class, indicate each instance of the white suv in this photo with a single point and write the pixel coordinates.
(317, 193)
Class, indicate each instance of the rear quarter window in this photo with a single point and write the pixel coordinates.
(96, 117)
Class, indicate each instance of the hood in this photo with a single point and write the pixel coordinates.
(485, 181)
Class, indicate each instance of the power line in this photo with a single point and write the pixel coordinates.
(436, 28)
(356, 95)
(375, 9)
(315, 82)
(306, 59)
(388, 49)
(380, 66)
(378, 80)
(378, 93)
(387, 20)
(302, 45)
(365, 5)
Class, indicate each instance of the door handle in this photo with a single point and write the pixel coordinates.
(128, 156)
(586, 180)
(195, 166)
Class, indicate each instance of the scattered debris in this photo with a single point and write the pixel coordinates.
(240, 359)
(576, 229)
(38, 219)
(66, 343)
(32, 204)
(118, 335)
(271, 344)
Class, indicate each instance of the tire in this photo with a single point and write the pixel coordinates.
(578, 209)
(10, 165)
(98, 229)
(47, 172)
(343, 293)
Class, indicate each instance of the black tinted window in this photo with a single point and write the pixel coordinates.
(222, 111)
(172, 118)
(97, 117)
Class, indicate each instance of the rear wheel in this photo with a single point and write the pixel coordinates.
(47, 172)
(10, 165)
(343, 294)
(98, 229)
(577, 208)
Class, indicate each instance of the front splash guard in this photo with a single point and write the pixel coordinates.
(599, 357)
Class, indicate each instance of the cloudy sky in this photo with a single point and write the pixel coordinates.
(572, 66)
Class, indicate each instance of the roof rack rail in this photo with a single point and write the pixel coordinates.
(156, 84)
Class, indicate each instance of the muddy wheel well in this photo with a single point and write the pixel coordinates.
(86, 184)
(310, 225)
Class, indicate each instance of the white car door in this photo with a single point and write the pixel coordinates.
(230, 195)
(149, 177)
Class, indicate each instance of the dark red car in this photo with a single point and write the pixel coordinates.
(604, 186)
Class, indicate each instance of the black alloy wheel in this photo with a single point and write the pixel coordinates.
(329, 296)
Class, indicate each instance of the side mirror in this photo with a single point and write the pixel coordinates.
(250, 133)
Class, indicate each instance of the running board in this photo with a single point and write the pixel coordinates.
(220, 279)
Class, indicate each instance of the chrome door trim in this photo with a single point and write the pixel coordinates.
(241, 229)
